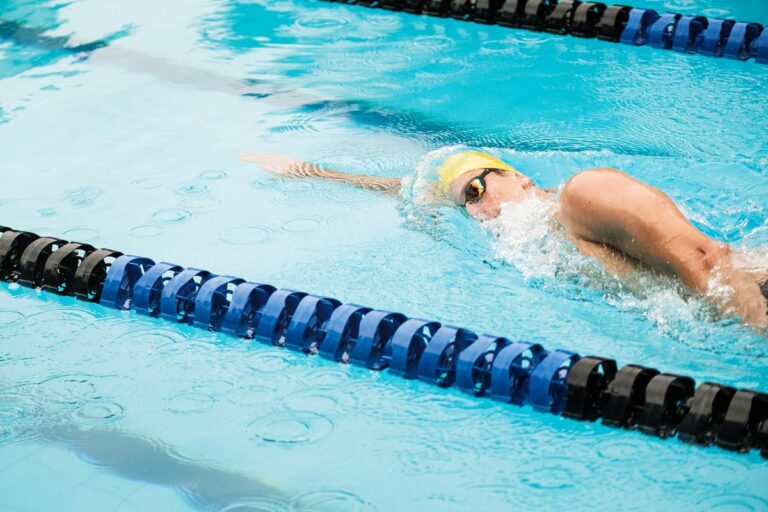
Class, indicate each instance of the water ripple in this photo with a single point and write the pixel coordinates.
(672, 470)
(99, 411)
(322, 23)
(48, 212)
(246, 235)
(68, 389)
(81, 234)
(146, 182)
(320, 378)
(188, 402)
(734, 503)
(201, 204)
(257, 505)
(83, 196)
(555, 473)
(156, 337)
(270, 361)
(255, 394)
(319, 401)
(302, 225)
(214, 387)
(8, 317)
(213, 175)
(146, 231)
(67, 321)
(169, 215)
(291, 427)
(330, 499)
(19, 417)
(268, 183)
(192, 189)
(426, 455)
(497, 46)
(433, 42)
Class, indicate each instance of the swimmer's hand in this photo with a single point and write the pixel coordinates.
(281, 165)
(288, 166)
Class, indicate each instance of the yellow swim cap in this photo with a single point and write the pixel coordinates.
(462, 163)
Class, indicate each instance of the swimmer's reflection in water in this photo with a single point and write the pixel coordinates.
(610, 216)
(144, 459)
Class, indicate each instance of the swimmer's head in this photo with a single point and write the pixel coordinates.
(482, 183)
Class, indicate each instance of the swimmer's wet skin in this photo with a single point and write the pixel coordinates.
(608, 214)
(764, 290)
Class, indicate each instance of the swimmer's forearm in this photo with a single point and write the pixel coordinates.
(284, 165)
(376, 183)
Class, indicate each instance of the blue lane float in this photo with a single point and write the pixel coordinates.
(516, 372)
(713, 37)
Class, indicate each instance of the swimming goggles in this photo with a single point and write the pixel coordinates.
(475, 189)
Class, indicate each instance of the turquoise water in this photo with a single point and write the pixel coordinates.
(135, 146)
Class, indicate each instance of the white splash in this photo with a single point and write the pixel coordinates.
(527, 236)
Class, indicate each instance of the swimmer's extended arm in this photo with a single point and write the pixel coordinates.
(293, 167)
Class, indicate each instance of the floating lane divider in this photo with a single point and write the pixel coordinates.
(521, 373)
(615, 23)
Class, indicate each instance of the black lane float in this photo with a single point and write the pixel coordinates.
(713, 37)
(521, 373)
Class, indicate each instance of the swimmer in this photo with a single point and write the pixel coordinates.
(608, 215)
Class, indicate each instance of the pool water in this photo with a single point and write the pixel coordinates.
(134, 146)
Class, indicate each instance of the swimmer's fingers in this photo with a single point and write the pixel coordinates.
(282, 165)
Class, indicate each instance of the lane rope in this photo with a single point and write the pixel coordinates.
(713, 37)
(559, 382)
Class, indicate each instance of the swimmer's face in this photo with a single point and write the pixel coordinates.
(483, 191)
